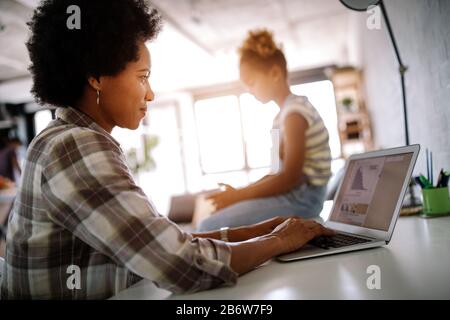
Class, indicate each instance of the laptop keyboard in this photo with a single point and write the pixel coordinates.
(336, 241)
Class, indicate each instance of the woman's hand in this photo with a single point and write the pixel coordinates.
(258, 229)
(288, 236)
(295, 233)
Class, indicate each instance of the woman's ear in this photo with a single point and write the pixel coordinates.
(94, 82)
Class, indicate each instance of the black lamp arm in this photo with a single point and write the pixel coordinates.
(402, 68)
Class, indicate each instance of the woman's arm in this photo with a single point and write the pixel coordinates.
(287, 234)
(244, 233)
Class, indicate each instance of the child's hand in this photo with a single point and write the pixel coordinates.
(226, 187)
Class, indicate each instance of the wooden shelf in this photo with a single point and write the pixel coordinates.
(354, 125)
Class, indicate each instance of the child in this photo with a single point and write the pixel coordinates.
(300, 185)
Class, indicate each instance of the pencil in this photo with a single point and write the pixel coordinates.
(431, 167)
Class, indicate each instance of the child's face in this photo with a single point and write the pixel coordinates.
(259, 83)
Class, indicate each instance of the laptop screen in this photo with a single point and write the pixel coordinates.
(370, 191)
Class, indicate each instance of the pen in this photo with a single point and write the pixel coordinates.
(431, 168)
(425, 182)
(419, 182)
(445, 178)
(439, 181)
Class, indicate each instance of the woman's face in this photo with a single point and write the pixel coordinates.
(124, 97)
(258, 83)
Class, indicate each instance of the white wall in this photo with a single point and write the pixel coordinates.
(422, 30)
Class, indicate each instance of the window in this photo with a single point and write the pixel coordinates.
(165, 177)
(219, 132)
(321, 95)
(257, 121)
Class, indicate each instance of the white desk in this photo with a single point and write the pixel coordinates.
(415, 265)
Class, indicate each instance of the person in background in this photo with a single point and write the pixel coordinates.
(299, 187)
(9, 163)
(78, 208)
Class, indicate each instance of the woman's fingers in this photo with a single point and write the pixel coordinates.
(317, 228)
(277, 220)
(296, 232)
(328, 232)
(281, 226)
(310, 224)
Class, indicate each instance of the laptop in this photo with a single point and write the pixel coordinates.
(366, 205)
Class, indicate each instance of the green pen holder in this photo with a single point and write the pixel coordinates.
(436, 201)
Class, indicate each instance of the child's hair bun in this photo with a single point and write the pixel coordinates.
(260, 42)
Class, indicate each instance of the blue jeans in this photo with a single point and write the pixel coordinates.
(305, 201)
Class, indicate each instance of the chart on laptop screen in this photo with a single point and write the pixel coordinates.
(370, 191)
(364, 176)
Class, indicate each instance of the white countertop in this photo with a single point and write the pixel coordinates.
(415, 265)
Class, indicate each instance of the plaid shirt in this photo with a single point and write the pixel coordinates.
(79, 212)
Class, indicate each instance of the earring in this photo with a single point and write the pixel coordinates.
(98, 97)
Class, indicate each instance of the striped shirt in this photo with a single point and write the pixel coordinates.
(82, 229)
(317, 163)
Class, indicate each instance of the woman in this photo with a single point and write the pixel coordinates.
(9, 162)
(300, 185)
(81, 228)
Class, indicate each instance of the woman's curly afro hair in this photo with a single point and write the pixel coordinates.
(62, 59)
